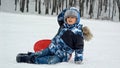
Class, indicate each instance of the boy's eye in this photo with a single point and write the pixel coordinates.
(68, 17)
(72, 17)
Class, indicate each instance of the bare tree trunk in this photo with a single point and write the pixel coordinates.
(87, 4)
(59, 4)
(81, 7)
(54, 7)
(118, 4)
(70, 3)
(62, 3)
(47, 6)
(105, 3)
(75, 3)
(119, 13)
(57, 8)
(39, 7)
(22, 5)
(27, 5)
(36, 5)
(0, 2)
(98, 13)
(109, 8)
(91, 8)
(16, 5)
(113, 9)
(99, 8)
(50, 4)
(66, 3)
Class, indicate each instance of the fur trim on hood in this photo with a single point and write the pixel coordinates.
(87, 33)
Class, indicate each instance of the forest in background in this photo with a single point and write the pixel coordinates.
(97, 9)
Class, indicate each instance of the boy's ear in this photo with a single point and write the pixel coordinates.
(87, 33)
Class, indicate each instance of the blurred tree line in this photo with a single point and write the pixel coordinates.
(100, 9)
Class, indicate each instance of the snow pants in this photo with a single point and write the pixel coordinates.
(46, 57)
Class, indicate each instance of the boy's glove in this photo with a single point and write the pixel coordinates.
(78, 56)
(78, 62)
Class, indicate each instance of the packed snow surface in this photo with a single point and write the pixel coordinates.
(19, 32)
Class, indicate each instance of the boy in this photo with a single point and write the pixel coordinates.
(68, 39)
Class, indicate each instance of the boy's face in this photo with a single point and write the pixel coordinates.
(71, 20)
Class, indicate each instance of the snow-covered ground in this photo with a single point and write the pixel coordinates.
(19, 32)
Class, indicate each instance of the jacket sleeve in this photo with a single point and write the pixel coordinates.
(60, 17)
(79, 46)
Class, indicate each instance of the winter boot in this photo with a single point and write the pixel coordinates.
(22, 57)
(25, 57)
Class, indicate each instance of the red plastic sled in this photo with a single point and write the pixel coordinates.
(41, 44)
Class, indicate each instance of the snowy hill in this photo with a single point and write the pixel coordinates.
(18, 33)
